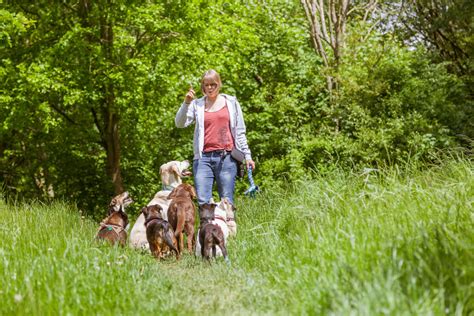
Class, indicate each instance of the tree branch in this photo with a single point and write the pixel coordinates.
(63, 114)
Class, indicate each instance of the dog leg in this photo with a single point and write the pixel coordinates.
(181, 243)
(224, 252)
(154, 251)
(190, 240)
(206, 253)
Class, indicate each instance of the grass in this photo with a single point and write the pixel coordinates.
(390, 242)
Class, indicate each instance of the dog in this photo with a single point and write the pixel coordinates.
(112, 228)
(210, 234)
(229, 209)
(159, 232)
(224, 218)
(181, 214)
(171, 174)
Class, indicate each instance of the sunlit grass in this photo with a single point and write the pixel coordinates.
(387, 242)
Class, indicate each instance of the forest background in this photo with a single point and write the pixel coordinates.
(90, 88)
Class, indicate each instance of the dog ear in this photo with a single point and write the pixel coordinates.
(156, 207)
(110, 210)
(124, 217)
(221, 204)
(113, 205)
(193, 192)
(144, 211)
(175, 169)
(165, 175)
(172, 195)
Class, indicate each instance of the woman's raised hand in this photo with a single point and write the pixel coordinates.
(190, 95)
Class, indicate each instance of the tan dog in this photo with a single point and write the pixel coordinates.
(171, 174)
(112, 228)
(229, 209)
(211, 235)
(159, 232)
(181, 215)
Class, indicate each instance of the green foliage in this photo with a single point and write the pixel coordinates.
(63, 82)
(395, 104)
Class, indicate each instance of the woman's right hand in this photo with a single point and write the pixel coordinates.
(189, 96)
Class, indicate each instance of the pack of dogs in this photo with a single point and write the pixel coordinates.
(168, 220)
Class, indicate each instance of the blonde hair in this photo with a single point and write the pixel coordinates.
(212, 76)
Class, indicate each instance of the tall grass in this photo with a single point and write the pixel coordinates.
(390, 242)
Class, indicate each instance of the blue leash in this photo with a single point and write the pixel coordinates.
(253, 189)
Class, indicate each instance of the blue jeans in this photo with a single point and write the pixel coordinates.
(218, 166)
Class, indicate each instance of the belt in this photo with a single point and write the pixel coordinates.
(220, 152)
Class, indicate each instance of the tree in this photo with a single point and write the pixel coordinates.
(328, 21)
(444, 26)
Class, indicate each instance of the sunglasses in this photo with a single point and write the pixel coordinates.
(210, 85)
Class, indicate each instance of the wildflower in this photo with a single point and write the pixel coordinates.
(18, 298)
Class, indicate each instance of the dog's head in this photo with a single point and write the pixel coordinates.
(172, 172)
(152, 211)
(184, 190)
(119, 202)
(206, 212)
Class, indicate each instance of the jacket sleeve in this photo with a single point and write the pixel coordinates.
(185, 115)
(240, 137)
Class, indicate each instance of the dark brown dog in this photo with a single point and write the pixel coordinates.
(159, 232)
(112, 228)
(181, 214)
(210, 235)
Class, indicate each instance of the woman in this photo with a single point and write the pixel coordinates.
(219, 128)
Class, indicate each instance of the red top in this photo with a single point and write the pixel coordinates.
(217, 135)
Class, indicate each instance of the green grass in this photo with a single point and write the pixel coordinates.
(391, 242)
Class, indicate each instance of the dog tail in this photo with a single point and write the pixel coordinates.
(217, 236)
(180, 221)
(168, 239)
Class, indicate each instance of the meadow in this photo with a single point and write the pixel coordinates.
(395, 241)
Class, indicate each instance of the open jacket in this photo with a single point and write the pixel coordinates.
(194, 112)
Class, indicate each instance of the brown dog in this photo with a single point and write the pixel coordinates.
(210, 235)
(181, 214)
(159, 233)
(171, 174)
(112, 228)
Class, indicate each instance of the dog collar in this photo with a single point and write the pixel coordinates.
(219, 217)
(116, 228)
(167, 188)
(151, 220)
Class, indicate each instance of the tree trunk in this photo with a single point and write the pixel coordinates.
(110, 135)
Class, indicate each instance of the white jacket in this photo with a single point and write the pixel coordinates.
(194, 112)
